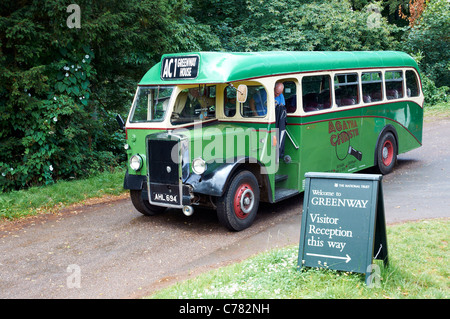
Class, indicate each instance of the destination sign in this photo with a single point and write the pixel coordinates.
(343, 226)
(180, 67)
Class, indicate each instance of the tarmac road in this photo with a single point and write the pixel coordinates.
(112, 251)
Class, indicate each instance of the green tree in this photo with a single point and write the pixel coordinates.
(225, 18)
(430, 39)
(59, 86)
(303, 25)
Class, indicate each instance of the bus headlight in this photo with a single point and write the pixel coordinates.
(199, 166)
(136, 162)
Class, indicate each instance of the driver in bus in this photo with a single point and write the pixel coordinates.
(191, 101)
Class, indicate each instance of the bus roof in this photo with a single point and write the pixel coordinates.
(225, 67)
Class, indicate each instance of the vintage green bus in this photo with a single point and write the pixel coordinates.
(228, 130)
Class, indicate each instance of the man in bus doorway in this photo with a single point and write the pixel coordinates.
(280, 117)
(259, 106)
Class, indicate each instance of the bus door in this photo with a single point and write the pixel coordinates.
(289, 160)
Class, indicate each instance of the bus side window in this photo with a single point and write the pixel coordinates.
(229, 102)
(290, 96)
(210, 110)
(412, 85)
(256, 104)
(394, 84)
(316, 94)
(346, 89)
(372, 87)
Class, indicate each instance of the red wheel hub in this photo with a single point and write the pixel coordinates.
(387, 153)
(244, 200)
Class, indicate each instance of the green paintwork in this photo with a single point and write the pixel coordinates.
(321, 155)
(224, 67)
(217, 143)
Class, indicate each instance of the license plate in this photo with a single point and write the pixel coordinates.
(158, 197)
(168, 194)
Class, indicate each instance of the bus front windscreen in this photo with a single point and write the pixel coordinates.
(151, 103)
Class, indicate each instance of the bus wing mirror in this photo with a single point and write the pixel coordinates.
(242, 93)
(120, 121)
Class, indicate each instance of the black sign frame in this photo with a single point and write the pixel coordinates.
(183, 67)
(349, 207)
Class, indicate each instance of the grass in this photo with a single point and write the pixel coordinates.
(441, 109)
(45, 199)
(419, 259)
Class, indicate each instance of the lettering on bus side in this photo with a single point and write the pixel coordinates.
(342, 132)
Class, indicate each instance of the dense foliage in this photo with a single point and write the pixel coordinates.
(431, 39)
(61, 86)
(297, 25)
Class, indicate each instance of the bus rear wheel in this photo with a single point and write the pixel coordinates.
(386, 153)
(237, 207)
(143, 206)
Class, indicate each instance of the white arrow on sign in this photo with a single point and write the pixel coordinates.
(347, 259)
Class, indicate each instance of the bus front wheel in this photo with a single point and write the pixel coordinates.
(237, 207)
(143, 206)
(386, 153)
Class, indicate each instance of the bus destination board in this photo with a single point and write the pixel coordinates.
(180, 67)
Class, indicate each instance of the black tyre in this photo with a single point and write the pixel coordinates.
(238, 206)
(386, 153)
(143, 206)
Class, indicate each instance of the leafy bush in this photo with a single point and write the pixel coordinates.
(51, 128)
(60, 87)
(432, 94)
